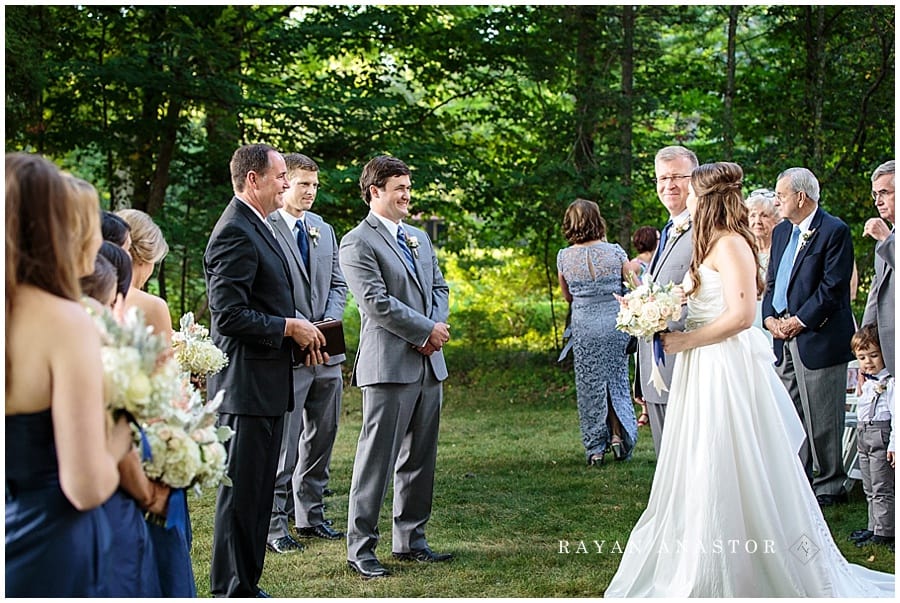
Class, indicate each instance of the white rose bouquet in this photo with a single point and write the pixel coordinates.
(194, 349)
(647, 309)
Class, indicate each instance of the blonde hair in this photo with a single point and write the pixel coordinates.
(147, 242)
(87, 221)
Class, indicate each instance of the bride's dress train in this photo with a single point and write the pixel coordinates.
(731, 512)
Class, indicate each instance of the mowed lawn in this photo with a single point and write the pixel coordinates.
(514, 500)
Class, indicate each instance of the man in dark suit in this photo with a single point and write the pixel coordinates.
(806, 307)
(393, 272)
(252, 309)
(320, 292)
(880, 303)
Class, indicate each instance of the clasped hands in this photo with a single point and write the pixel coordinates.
(440, 334)
(308, 337)
(784, 328)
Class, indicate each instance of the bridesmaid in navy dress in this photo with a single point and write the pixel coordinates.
(61, 455)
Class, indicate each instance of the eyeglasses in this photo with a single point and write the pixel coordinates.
(762, 192)
(781, 197)
(882, 193)
(667, 179)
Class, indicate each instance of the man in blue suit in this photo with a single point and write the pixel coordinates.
(807, 309)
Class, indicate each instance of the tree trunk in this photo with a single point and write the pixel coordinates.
(626, 121)
(727, 112)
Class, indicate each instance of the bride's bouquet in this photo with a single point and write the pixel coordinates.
(645, 312)
(647, 309)
(194, 349)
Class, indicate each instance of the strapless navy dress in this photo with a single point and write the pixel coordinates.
(52, 549)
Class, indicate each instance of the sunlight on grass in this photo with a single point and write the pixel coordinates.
(511, 484)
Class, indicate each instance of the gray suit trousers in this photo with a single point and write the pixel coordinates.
(877, 475)
(309, 434)
(819, 397)
(399, 436)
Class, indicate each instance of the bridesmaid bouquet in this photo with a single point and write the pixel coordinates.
(187, 449)
(139, 375)
(648, 308)
(194, 349)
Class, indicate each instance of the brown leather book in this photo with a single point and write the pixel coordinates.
(333, 330)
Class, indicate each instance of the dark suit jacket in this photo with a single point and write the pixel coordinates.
(250, 294)
(818, 292)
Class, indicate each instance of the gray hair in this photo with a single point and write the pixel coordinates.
(885, 168)
(763, 199)
(802, 180)
(677, 152)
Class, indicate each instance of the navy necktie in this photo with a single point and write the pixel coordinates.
(663, 239)
(404, 248)
(303, 243)
(783, 276)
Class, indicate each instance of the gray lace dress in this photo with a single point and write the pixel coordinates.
(594, 274)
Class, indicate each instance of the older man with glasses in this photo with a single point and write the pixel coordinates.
(880, 304)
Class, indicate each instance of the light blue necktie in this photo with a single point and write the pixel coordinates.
(779, 297)
(303, 243)
(401, 240)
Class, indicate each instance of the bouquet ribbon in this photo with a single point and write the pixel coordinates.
(177, 515)
(659, 358)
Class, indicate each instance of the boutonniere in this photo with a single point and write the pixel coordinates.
(806, 236)
(881, 387)
(314, 235)
(678, 229)
(413, 244)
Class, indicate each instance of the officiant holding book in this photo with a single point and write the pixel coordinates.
(320, 292)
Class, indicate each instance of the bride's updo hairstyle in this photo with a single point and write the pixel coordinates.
(720, 210)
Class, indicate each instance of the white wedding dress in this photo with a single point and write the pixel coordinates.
(731, 513)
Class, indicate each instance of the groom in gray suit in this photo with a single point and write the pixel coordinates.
(403, 300)
(880, 303)
(320, 292)
(670, 263)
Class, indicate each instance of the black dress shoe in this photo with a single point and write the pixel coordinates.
(320, 531)
(829, 500)
(857, 535)
(327, 492)
(369, 568)
(261, 594)
(285, 544)
(425, 555)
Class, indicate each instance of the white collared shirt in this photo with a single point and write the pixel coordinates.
(259, 215)
(392, 226)
(292, 221)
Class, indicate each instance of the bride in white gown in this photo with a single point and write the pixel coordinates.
(731, 512)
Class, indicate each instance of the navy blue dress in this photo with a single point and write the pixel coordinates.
(52, 549)
(134, 571)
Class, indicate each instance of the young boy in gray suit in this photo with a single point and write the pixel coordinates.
(875, 438)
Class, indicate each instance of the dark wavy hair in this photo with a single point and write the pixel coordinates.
(377, 172)
(645, 238)
(720, 211)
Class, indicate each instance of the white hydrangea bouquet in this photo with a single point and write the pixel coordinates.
(194, 349)
(648, 308)
(644, 312)
(187, 448)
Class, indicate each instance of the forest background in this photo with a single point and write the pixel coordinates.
(505, 113)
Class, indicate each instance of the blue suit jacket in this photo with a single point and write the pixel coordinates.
(818, 292)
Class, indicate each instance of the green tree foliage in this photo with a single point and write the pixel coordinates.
(505, 113)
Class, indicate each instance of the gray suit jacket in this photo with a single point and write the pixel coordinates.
(320, 292)
(397, 308)
(671, 267)
(880, 304)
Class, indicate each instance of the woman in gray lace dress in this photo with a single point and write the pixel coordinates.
(591, 271)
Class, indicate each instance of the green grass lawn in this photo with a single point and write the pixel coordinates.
(511, 484)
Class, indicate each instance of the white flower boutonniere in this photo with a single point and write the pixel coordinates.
(806, 236)
(314, 235)
(881, 387)
(413, 244)
(678, 229)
